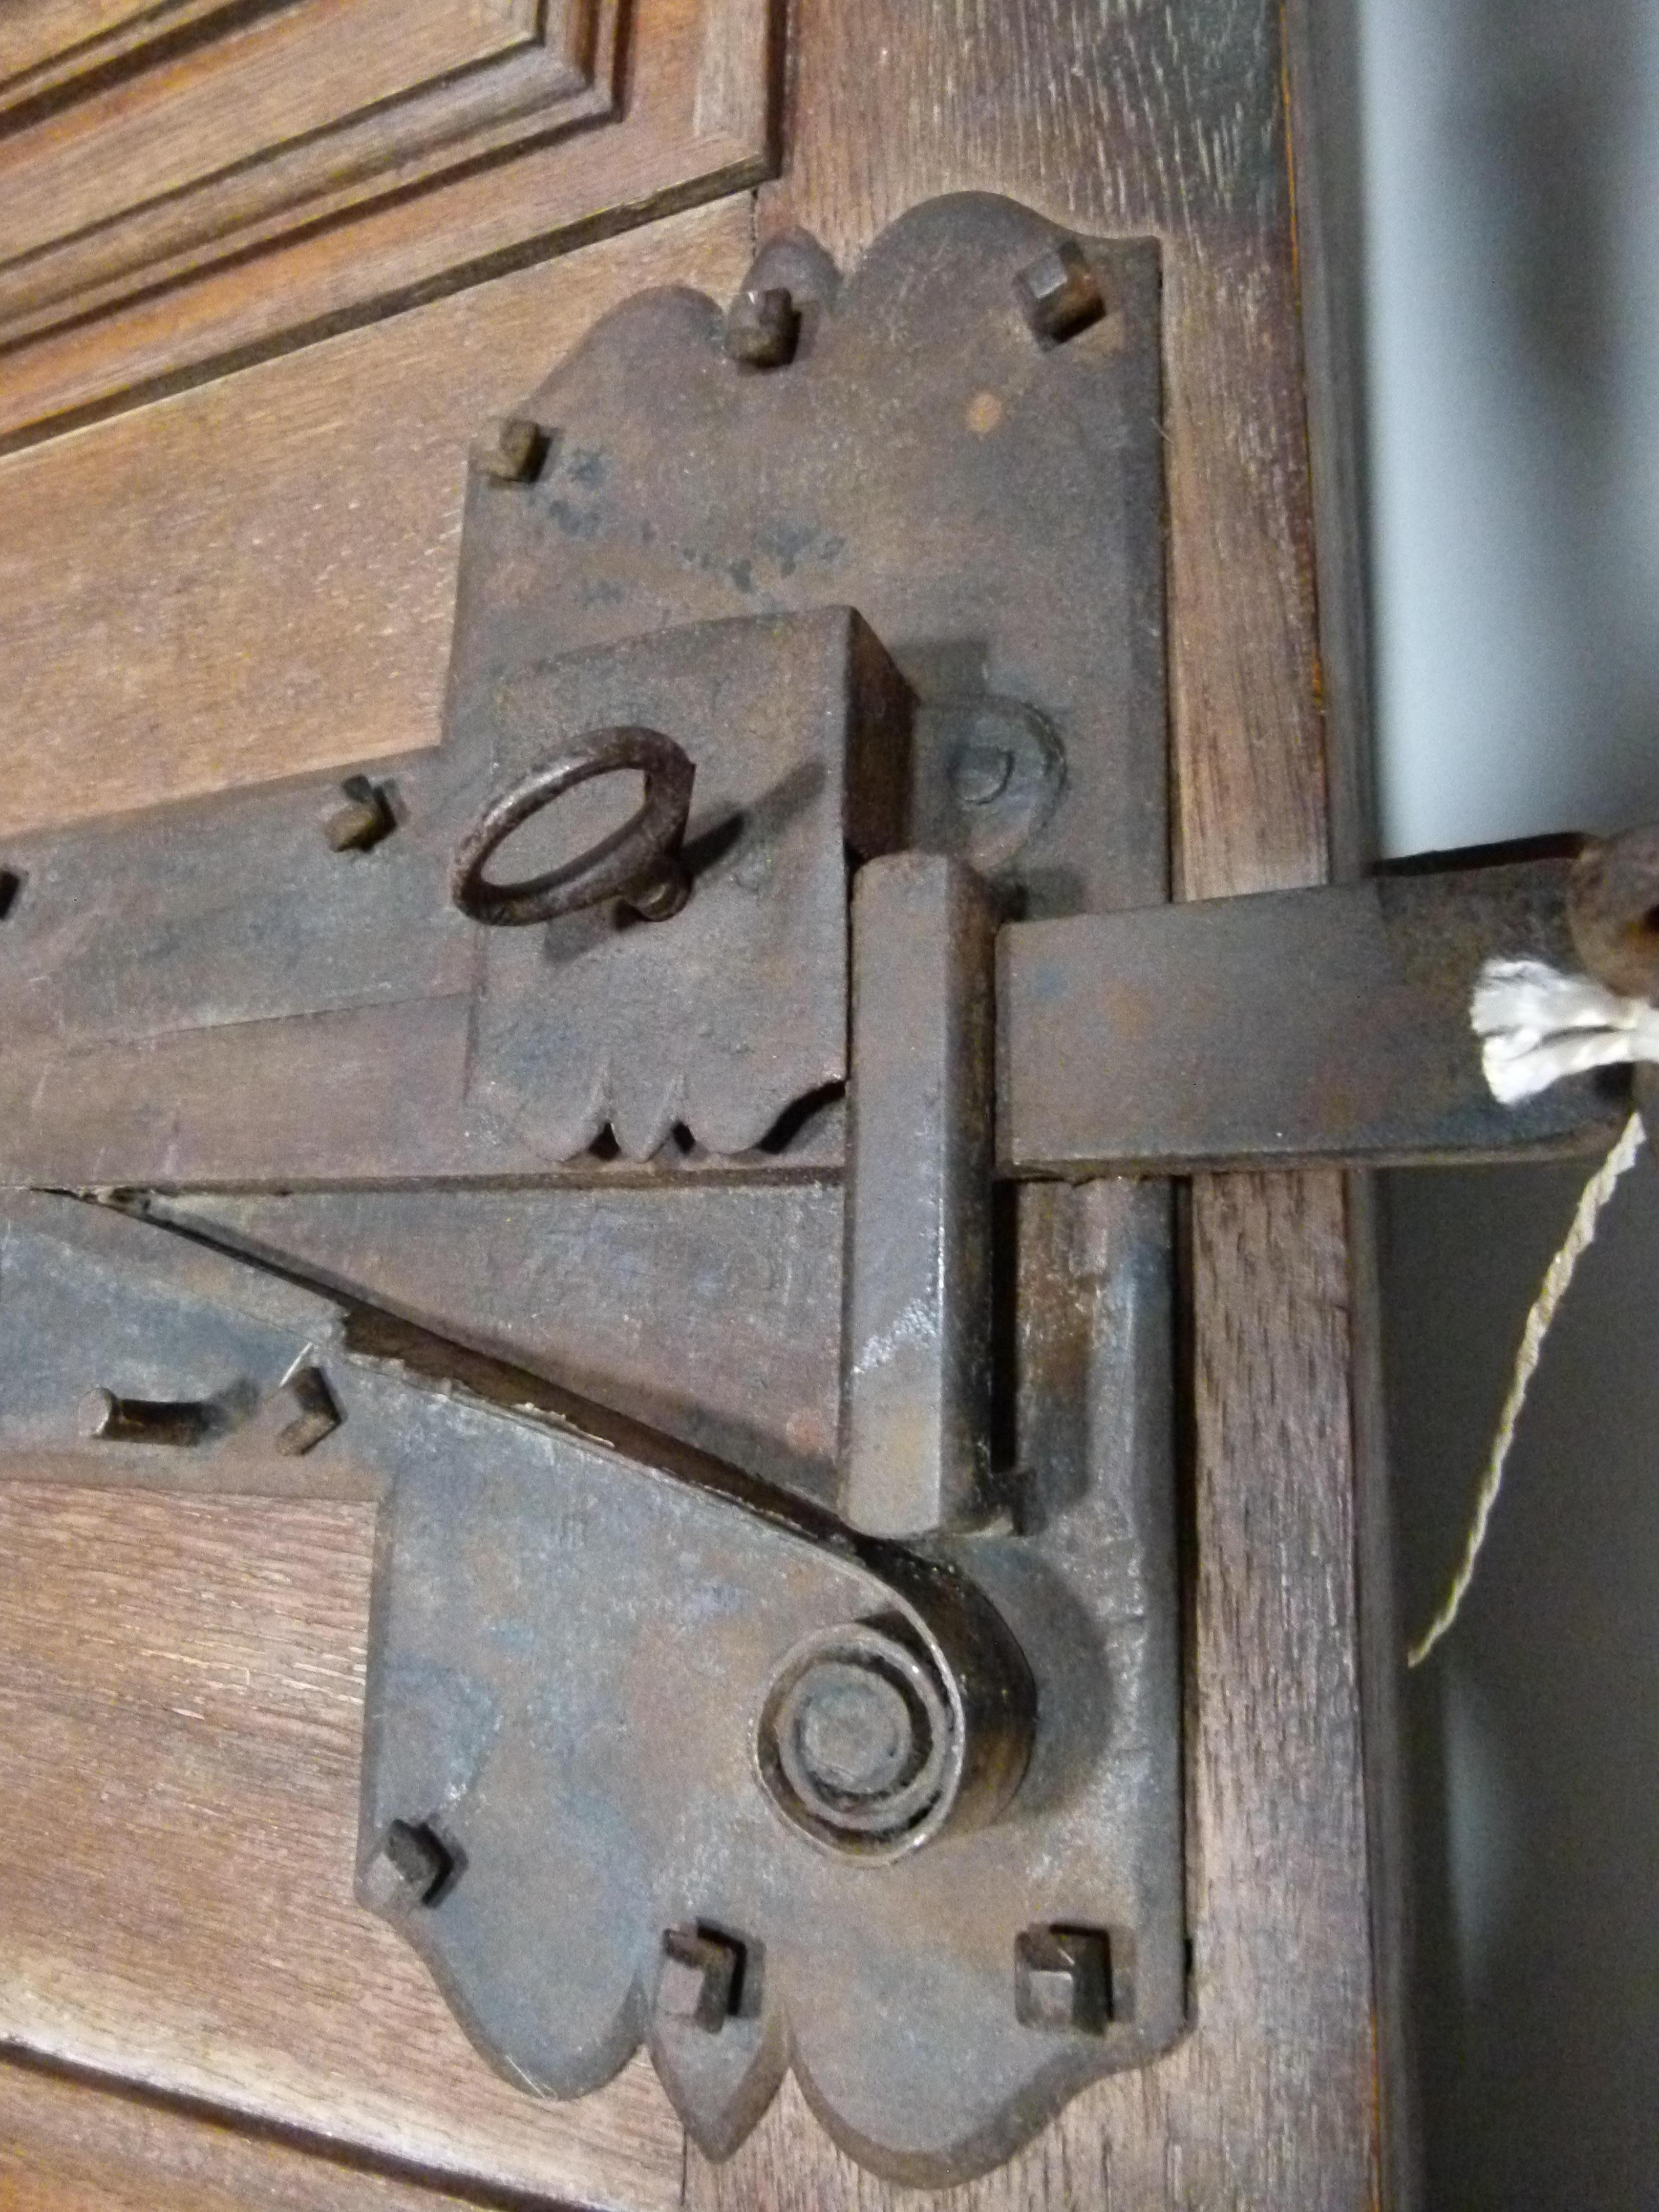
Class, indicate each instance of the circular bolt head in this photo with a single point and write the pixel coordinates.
(698, 1978)
(761, 328)
(855, 1734)
(1059, 293)
(980, 774)
(858, 1744)
(1062, 1979)
(412, 1867)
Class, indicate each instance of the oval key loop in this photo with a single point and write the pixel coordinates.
(639, 863)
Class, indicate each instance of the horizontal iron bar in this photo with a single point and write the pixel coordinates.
(1329, 1025)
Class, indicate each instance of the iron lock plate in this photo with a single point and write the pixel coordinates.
(774, 1652)
(730, 1691)
(209, 993)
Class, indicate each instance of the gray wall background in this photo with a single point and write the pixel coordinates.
(1512, 167)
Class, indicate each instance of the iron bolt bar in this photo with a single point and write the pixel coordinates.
(916, 1358)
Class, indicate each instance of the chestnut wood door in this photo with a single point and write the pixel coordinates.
(264, 267)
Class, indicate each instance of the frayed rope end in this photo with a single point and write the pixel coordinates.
(1537, 1025)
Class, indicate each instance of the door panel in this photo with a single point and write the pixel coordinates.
(68, 2143)
(284, 172)
(256, 575)
(182, 1709)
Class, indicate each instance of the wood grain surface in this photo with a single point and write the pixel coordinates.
(258, 576)
(255, 576)
(265, 253)
(72, 2142)
(51, 46)
(234, 103)
(180, 1723)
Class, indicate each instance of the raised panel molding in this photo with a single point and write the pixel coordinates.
(53, 50)
(189, 186)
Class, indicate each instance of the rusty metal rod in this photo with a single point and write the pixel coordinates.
(917, 1336)
(1329, 1025)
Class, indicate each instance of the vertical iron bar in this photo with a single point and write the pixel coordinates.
(916, 1332)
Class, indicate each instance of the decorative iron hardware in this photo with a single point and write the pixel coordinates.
(640, 862)
(774, 1643)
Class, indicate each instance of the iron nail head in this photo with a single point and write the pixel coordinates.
(364, 819)
(513, 449)
(697, 1979)
(316, 1413)
(762, 327)
(1059, 293)
(1062, 1979)
(411, 1866)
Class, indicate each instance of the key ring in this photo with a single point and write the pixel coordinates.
(639, 863)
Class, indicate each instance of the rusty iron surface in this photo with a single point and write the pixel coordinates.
(220, 991)
(1329, 1025)
(270, 987)
(639, 863)
(991, 504)
(916, 1357)
(579, 1631)
(715, 1021)
(711, 1312)
(1325, 1025)
(1613, 907)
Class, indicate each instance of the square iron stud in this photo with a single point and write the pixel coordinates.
(761, 328)
(1062, 1979)
(512, 450)
(313, 1413)
(1060, 292)
(363, 821)
(698, 1979)
(412, 1867)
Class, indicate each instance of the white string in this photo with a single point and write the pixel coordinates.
(1536, 1026)
(1559, 1274)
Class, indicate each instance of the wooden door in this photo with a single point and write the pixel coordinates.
(264, 267)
